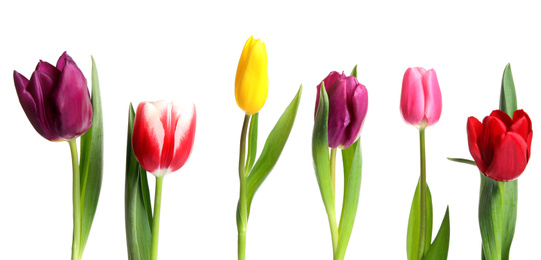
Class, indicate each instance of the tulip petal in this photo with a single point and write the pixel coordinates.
(72, 100)
(492, 129)
(63, 60)
(184, 134)
(28, 104)
(328, 82)
(339, 117)
(510, 157)
(504, 117)
(432, 95)
(474, 129)
(40, 87)
(412, 103)
(46, 67)
(148, 136)
(358, 106)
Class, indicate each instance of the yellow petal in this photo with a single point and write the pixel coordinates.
(252, 80)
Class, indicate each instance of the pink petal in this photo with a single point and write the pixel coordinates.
(412, 101)
(432, 94)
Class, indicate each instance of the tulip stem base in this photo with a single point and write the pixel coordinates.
(156, 218)
(76, 243)
(422, 231)
(242, 219)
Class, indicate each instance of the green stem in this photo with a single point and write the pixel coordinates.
(333, 167)
(243, 223)
(156, 218)
(75, 247)
(422, 231)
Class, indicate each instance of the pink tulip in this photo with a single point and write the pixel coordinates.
(420, 103)
(163, 136)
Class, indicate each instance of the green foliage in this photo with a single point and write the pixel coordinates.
(91, 162)
(138, 214)
(414, 223)
(274, 146)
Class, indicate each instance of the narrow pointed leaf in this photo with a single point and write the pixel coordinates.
(440, 247)
(460, 160)
(354, 71)
(145, 193)
(91, 162)
(273, 148)
(320, 151)
(508, 96)
(352, 159)
(497, 216)
(414, 223)
(138, 234)
(252, 142)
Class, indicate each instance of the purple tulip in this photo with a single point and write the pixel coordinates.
(56, 99)
(348, 103)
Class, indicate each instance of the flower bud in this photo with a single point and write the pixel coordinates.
(252, 81)
(163, 136)
(500, 145)
(348, 103)
(420, 103)
(56, 100)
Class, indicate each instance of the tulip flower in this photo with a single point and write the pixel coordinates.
(420, 103)
(56, 100)
(162, 140)
(500, 145)
(348, 103)
(252, 80)
(163, 136)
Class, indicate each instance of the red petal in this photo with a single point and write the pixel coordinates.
(492, 128)
(503, 117)
(474, 129)
(148, 136)
(510, 157)
(184, 134)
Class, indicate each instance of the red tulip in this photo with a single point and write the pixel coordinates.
(163, 135)
(500, 145)
(56, 99)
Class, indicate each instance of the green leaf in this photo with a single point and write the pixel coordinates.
(352, 160)
(508, 96)
(252, 142)
(497, 216)
(460, 160)
(320, 151)
(91, 162)
(354, 71)
(138, 234)
(440, 247)
(414, 223)
(273, 148)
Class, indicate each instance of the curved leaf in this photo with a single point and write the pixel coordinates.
(414, 223)
(138, 234)
(91, 162)
(252, 142)
(273, 148)
(352, 160)
(460, 160)
(440, 247)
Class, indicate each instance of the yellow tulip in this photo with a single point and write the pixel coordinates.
(252, 80)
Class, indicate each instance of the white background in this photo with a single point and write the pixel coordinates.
(190, 51)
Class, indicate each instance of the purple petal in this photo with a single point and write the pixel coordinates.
(72, 101)
(63, 60)
(46, 67)
(38, 90)
(339, 117)
(328, 82)
(358, 105)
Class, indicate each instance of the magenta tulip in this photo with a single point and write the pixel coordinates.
(348, 103)
(500, 145)
(420, 103)
(163, 136)
(56, 99)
